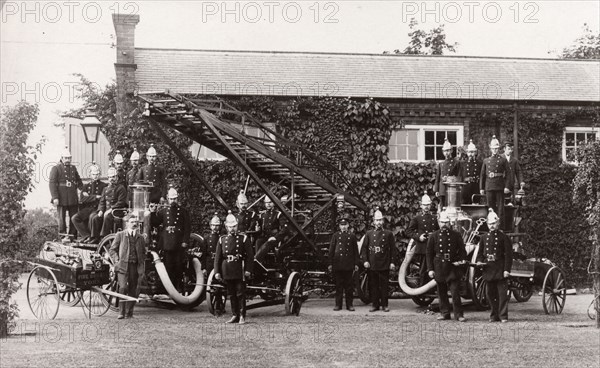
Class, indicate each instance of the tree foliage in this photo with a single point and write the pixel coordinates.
(426, 43)
(585, 47)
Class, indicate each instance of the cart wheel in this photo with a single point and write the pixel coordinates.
(554, 291)
(477, 288)
(362, 287)
(113, 285)
(523, 293)
(104, 246)
(594, 308)
(95, 302)
(42, 293)
(293, 294)
(217, 296)
(68, 296)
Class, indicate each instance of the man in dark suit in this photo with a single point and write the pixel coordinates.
(514, 174)
(64, 181)
(495, 256)
(469, 173)
(174, 222)
(378, 253)
(343, 261)
(493, 179)
(113, 196)
(419, 229)
(234, 264)
(445, 256)
(155, 174)
(89, 199)
(448, 167)
(128, 252)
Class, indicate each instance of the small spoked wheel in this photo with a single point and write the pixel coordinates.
(523, 293)
(478, 288)
(43, 293)
(362, 287)
(293, 294)
(95, 302)
(68, 296)
(554, 291)
(217, 296)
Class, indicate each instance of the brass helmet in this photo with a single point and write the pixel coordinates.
(151, 151)
(118, 159)
(172, 193)
(492, 217)
(215, 220)
(66, 152)
(241, 198)
(94, 169)
(425, 200)
(230, 220)
(377, 215)
(135, 155)
(446, 146)
(471, 147)
(494, 143)
(267, 199)
(444, 217)
(111, 172)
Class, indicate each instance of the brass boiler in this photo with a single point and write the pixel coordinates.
(141, 204)
(454, 198)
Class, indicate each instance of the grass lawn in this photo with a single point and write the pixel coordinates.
(319, 337)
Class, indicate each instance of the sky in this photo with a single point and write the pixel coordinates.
(44, 42)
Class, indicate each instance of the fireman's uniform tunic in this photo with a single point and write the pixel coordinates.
(88, 204)
(131, 178)
(492, 179)
(174, 221)
(469, 172)
(113, 196)
(272, 224)
(444, 247)
(448, 167)
(422, 224)
(380, 251)
(496, 252)
(64, 181)
(208, 252)
(157, 176)
(343, 257)
(233, 257)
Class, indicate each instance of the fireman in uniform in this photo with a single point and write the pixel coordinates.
(64, 182)
(469, 172)
(343, 262)
(514, 174)
(88, 203)
(118, 164)
(448, 167)
(271, 228)
(174, 221)
(495, 257)
(378, 253)
(246, 218)
(132, 174)
(446, 256)
(419, 229)
(210, 244)
(155, 174)
(233, 264)
(493, 179)
(113, 196)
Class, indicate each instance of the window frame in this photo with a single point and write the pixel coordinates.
(422, 128)
(576, 129)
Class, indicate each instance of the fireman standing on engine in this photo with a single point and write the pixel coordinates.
(514, 174)
(155, 174)
(174, 221)
(495, 256)
(118, 164)
(419, 229)
(378, 253)
(493, 179)
(89, 199)
(469, 172)
(113, 196)
(271, 230)
(233, 264)
(343, 262)
(64, 182)
(246, 218)
(448, 167)
(132, 174)
(445, 256)
(210, 244)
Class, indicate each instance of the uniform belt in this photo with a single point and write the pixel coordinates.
(233, 258)
(471, 179)
(491, 258)
(444, 256)
(377, 249)
(494, 175)
(68, 184)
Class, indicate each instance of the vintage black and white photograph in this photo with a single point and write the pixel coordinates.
(304, 183)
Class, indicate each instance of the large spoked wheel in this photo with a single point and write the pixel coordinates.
(190, 277)
(113, 285)
(68, 296)
(362, 287)
(293, 294)
(217, 296)
(104, 246)
(43, 293)
(413, 281)
(554, 291)
(95, 302)
(478, 288)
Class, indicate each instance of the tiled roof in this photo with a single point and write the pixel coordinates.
(366, 75)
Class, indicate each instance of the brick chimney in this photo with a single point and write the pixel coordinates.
(125, 66)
